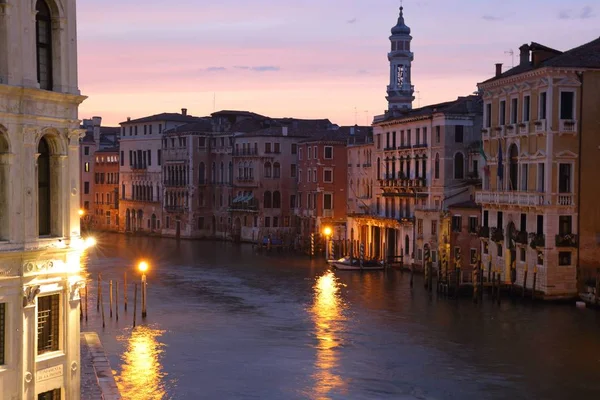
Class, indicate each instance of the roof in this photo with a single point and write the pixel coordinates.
(174, 117)
(471, 104)
(276, 131)
(465, 204)
(327, 136)
(584, 56)
(237, 112)
(114, 149)
(202, 125)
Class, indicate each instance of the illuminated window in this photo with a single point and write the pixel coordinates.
(48, 314)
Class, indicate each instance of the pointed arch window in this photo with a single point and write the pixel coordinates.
(268, 170)
(43, 33)
(276, 170)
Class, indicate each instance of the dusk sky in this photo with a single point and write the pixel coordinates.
(302, 58)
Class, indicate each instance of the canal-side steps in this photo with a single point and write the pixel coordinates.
(97, 380)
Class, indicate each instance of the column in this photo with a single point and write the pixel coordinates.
(29, 343)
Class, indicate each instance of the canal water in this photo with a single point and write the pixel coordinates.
(227, 323)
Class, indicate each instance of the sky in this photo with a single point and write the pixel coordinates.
(302, 58)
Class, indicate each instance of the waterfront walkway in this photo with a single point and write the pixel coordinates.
(97, 381)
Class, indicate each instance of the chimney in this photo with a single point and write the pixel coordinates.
(128, 119)
(524, 54)
(284, 130)
(96, 121)
(498, 69)
(184, 111)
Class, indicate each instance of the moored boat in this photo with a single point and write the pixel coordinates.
(344, 264)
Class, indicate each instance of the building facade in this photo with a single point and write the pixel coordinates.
(141, 192)
(105, 213)
(460, 247)
(39, 223)
(535, 124)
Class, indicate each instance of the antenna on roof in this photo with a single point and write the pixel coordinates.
(355, 116)
(512, 55)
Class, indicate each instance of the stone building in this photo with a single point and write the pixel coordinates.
(105, 212)
(141, 191)
(40, 244)
(459, 240)
(540, 137)
(360, 176)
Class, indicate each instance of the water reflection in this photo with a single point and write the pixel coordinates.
(142, 374)
(328, 316)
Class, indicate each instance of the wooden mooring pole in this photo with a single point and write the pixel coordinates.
(125, 290)
(134, 302)
(110, 298)
(99, 292)
(117, 300)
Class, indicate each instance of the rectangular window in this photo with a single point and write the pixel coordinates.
(48, 315)
(328, 153)
(145, 129)
(299, 200)
(564, 178)
(486, 216)
(308, 176)
(130, 130)
(502, 113)
(526, 108)
(293, 170)
(168, 222)
(473, 224)
(473, 256)
(418, 136)
(275, 222)
(500, 220)
(86, 150)
(160, 128)
(300, 153)
(437, 134)
(523, 225)
(292, 201)
(378, 141)
(135, 130)
(86, 188)
(488, 115)
(54, 394)
(564, 225)
(294, 148)
(540, 225)
(328, 176)
(149, 157)
(541, 177)
(316, 152)
(419, 226)
(327, 201)
(267, 147)
(564, 258)
(122, 157)
(276, 148)
(458, 133)
(456, 223)
(567, 105)
(524, 176)
(267, 222)
(424, 135)
(201, 142)
(522, 254)
(542, 105)
(309, 157)
(514, 107)
(159, 157)
(87, 167)
(434, 228)
(408, 141)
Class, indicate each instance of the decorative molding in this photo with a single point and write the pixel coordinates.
(29, 295)
(28, 377)
(566, 154)
(31, 267)
(75, 290)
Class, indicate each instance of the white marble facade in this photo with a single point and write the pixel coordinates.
(40, 243)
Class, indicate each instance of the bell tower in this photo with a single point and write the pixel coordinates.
(400, 91)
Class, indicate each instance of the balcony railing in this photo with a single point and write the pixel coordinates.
(524, 128)
(540, 126)
(141, 166)
(245, 152)
(567, 126)
(511, 198)
(420, 146)
(483, 232)
(328, 213)
(537, 240)
(403, 182)
(521, 237)
(566, 240)
(497, 234)
(564, 199)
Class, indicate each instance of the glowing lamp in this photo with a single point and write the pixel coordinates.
(143, 266)
(327, 231)
(80, 212)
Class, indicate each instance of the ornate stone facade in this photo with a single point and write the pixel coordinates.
(40, 242)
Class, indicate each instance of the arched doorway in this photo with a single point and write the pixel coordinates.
(513, 167)
(44, 206)
(153, 218)
(140, 220)
(127, 220)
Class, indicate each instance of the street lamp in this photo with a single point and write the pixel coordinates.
(143, 267)
(81, 212)
(327, 232)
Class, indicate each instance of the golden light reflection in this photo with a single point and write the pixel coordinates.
(142, 376)
(329, 323)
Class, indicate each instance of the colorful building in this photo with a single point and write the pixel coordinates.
(105, 210)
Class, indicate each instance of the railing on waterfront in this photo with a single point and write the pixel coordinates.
(525, 198)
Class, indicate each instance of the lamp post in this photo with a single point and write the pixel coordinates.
(143, 267)
(327, 232)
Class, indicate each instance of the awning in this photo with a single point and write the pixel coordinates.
(238, 198)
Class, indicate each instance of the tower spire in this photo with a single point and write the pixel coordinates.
(400, 90)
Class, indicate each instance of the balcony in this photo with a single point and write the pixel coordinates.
(521, 237)
(497, 235)
(511, 198)
(564, 199)
(420, 146)
(245, 152)
(566, 240)
(524, 128)
(403, 183)
(328, 213)
(540, 126)
(389, 148)
(511, 129)
(537, 240)
(244, 203)
(567, 126)
(500, 130)
(483, 232)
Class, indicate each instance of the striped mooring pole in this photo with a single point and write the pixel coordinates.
(312, 244)
(362, 254)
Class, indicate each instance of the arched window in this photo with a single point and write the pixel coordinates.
(240, 170)
(230, 172)
(267, 199)
(276, 170)
(276, 199)
(43, 29)
(267, 169)
(44, 206)
(214, 172)
(436, 168)
(222, 173)
(513, 167)
(201, 173)
(459, 166)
